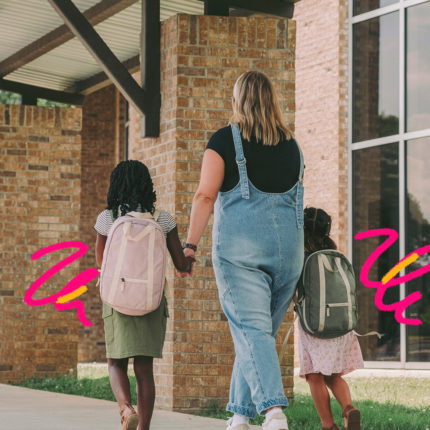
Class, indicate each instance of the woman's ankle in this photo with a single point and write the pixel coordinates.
(271, 409)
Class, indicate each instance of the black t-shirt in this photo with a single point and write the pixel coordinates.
(272, 169)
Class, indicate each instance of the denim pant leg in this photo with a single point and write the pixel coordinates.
(240, 394)
(247, 303)
(281, 299)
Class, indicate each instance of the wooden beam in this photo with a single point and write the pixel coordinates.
(31, 92)
(100, 80)
(96, 14)
(217, 8)
(116, 71)
(150, 68)
(284, 8)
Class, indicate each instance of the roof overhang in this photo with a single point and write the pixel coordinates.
(64, 49)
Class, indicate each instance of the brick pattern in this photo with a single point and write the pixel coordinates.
(322, 109)
(40, 180)
(202, 56)
(160, 157)
(103, 142)
(321, 96)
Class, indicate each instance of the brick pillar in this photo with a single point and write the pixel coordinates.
(40, 180)
(201, 58)
(322, 109)
(103, 141)
(322, 106)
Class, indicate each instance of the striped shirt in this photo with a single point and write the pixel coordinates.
(104, 222)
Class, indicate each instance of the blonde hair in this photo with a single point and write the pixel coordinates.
(256, 109)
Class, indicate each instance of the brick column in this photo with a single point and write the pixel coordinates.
(322, 109)
(202, 56)
(40, 180)
(103, 141)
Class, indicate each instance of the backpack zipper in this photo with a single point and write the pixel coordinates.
(334, 305)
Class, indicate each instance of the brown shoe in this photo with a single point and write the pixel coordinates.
(352, 418)
(129, 417)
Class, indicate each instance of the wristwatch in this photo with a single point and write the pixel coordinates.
(189, 245)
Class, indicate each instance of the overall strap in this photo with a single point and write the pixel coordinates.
(302, 163)
(241, 161)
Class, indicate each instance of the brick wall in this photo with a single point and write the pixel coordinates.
(201, 58)
(322, 108)
(321, 98)
(40, 180)
(103, 141)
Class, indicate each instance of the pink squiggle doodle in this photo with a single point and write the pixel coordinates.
(397, 307)
(79, 280)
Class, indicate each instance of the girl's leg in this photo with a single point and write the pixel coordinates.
(321, 398)
(339, 388)
(119, 380)
(145, 390)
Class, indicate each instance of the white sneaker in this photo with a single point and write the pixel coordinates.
(277, 421)
(238, 427)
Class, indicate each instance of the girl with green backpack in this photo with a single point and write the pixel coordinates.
(324, 356)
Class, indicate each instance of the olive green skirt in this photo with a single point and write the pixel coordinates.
(129, 336)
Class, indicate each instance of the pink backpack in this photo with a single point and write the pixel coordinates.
(133, 272)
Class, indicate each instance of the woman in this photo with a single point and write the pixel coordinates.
(252, 173)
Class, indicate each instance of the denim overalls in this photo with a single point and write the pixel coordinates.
(257, 256)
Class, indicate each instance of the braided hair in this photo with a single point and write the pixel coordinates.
(317, 223)
(130, 186)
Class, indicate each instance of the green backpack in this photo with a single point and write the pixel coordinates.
(327, 303)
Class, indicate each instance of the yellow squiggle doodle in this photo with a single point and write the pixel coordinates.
(69, 297)
(399, 267)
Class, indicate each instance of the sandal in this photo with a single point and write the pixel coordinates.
(129, 417)
(352, 418)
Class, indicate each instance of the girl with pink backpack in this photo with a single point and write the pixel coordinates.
(134, 237)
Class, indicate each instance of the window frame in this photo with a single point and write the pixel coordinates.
(402, 137)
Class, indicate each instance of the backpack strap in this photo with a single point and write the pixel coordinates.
(369, 333)
(145, 215)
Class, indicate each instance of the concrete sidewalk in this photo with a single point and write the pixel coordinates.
(26, 409)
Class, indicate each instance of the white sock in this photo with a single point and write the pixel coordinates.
(272, 412)
(239, 419)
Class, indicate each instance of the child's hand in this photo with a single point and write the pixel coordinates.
(189, 272)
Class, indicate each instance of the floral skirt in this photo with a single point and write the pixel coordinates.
(327, 356)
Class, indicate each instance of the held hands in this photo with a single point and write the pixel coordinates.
(190, 257)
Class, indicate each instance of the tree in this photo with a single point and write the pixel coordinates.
(9, 98)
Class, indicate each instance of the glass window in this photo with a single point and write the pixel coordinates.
(418, 235)
(376, 205)
(361, 6)
(376, 78)
(418, 67)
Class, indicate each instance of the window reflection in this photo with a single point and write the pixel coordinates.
(418, 67)
(361, 6)
(418, 235)
(376, 205)
(376, 78)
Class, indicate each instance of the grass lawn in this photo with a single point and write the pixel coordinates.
(375, 416)
(385, 403)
